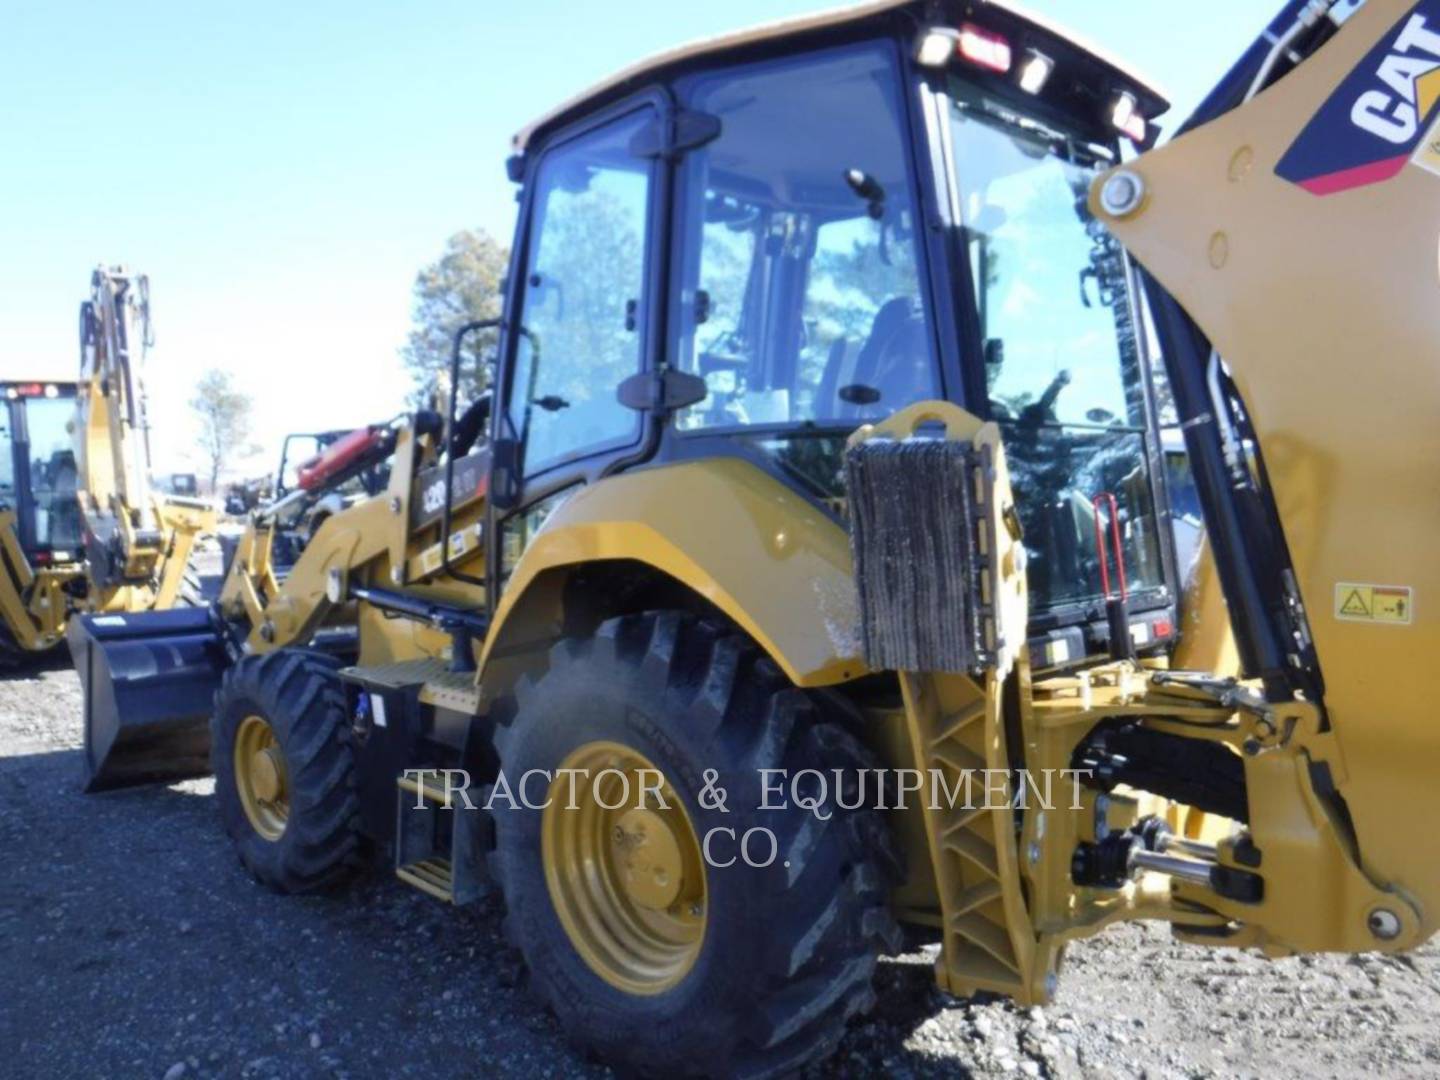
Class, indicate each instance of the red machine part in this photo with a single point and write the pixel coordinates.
(1105, 502)
(344, 452)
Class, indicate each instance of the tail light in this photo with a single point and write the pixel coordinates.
(984, 48)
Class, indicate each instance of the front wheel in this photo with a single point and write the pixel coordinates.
(284, 771)
(669, 935)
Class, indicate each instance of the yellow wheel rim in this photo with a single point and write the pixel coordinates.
(623, 870)
(262, 778)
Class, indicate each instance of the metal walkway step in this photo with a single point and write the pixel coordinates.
(431, 876)
(440, 850)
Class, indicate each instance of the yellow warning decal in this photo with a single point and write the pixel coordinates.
(1427, 154)
(1392, 604)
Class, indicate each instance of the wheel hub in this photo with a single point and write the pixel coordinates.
(262, 777)
(624, 869)
(265, 773)
(647, 852)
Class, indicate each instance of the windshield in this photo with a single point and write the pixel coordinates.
(1062, 363)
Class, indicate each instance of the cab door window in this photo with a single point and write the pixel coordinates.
(583, 300)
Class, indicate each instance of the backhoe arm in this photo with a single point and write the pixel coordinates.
(1291, 242)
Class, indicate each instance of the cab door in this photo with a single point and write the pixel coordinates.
(582, 305)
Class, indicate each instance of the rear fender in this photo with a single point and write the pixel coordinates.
(774, 564)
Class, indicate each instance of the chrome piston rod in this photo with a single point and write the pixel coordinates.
(1197, 873)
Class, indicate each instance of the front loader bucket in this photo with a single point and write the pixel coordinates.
(149, 681)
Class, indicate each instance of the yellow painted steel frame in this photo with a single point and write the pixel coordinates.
(33, 603)
(156, 570)
(369, 543)
(35, 606)
(1326, 311)
(957, 731)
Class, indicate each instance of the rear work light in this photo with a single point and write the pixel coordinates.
(1126, 117)
(1035, 72)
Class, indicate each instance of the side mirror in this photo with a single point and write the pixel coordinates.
(662, 391)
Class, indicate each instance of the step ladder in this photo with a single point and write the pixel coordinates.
(440, 851)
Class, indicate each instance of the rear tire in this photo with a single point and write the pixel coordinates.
(788, 950)
(296, 695)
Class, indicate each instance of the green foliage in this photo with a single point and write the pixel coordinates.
(464, 283)
(860, 279)
(223, 412)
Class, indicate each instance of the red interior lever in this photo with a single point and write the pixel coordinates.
(1107, 500)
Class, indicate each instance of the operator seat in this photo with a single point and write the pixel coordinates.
(895, 359)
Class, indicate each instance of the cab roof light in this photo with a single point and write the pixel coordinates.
(1035, 71)
(984, 48)
(936, 46)
(1126, 117)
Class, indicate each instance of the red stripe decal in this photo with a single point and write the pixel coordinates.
(1374, 173)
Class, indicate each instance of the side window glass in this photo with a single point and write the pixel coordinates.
(583, 305)
(7, 458)
(802, 302)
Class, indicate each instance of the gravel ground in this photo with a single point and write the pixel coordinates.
(133, 944)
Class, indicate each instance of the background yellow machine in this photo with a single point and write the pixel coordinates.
(822, 447)
(81, 528)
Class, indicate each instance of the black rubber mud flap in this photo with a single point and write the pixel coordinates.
(912, 535)
(149, 681)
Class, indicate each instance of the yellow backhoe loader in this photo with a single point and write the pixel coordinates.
(812, 572)
(80, 528)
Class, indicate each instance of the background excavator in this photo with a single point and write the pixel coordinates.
(80, 527)
(821, 445)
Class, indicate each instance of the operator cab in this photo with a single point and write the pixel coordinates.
(816, 224)
(38, 474)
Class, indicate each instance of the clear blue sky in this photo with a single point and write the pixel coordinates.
(281, 170)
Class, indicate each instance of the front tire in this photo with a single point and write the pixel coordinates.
(284, 771)
(784, 953)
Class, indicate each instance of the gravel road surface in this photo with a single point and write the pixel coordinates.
(132, 943)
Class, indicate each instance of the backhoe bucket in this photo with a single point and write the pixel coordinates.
(149, 681)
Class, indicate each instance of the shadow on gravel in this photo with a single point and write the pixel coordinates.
(36, 664)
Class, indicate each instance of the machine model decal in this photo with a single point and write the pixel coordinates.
(1368, 129)
(1391, 604)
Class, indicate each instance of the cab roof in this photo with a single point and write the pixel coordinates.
(1157, 100)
